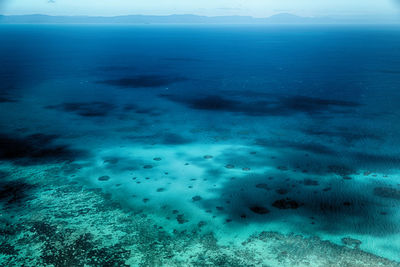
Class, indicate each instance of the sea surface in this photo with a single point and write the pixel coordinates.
(177, 145)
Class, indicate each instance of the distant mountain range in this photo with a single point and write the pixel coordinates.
(283, 18)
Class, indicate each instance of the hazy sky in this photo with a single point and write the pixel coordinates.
(257, 8)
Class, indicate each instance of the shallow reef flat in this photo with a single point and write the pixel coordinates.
(70, 225)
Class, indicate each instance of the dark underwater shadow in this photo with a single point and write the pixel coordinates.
(144, 81)
(36, 149)
(15, 192)
(161, 138)
(308, 180)
(330, 205)
(319, 157)
(85, 109)
(267, 105)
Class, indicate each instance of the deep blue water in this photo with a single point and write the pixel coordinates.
(302, 122)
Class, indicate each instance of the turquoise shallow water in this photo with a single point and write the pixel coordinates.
(188, 146)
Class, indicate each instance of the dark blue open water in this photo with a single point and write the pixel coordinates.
(231, 129)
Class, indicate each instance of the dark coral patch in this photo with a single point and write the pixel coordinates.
(274, 105)
(15, 192)
(259, 210)
(341, 170)
(310, 182)
(197, 198)
(144, 81)
(387, 192)
(213, 103)
(181, 219)
(7, 249)
(286, 204)
(282, 191)
(104, 178)
(347, 203)
(4, 99)
(347, 135)
(35, 149)
(351, 242)
(174, 139)
(85, 109)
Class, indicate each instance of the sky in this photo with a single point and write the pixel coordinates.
(255, 8)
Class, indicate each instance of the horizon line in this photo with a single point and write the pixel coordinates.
(278, 18)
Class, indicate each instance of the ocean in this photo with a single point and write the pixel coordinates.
(196, 145)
